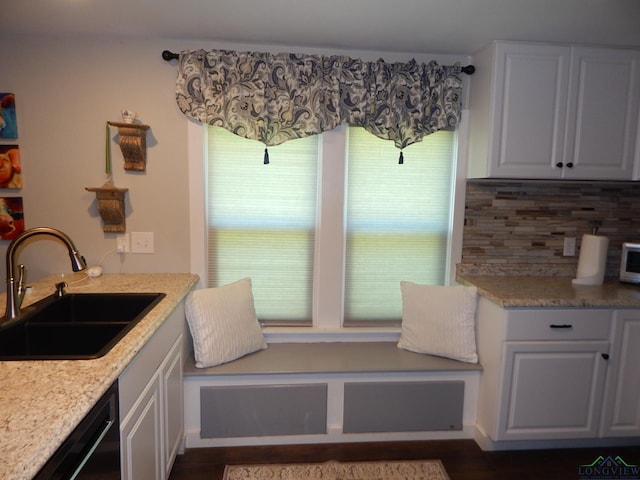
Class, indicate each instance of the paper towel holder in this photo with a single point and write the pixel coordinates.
(592, 262)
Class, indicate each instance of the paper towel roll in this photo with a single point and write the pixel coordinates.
(592, 262)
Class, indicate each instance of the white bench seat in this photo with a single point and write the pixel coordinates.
(337, 357)
(295, 393)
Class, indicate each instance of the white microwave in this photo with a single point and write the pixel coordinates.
(630, 263)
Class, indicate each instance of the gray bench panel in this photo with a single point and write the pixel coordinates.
(263, 410)
(403, 406)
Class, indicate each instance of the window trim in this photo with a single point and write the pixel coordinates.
(327, 317)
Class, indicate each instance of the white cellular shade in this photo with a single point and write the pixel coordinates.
(398, 221)
(261, 221)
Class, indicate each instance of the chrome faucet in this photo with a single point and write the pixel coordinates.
(16, 290)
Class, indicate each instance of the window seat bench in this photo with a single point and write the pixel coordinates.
(294, 393)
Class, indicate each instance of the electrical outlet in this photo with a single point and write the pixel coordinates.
(141, 242)
(569, 247)
(123, 243)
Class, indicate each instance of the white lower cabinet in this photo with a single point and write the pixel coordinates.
(141, 436)
(151, 404)
(552, 390)
(622, 399)
(172, 404)
(558, 373)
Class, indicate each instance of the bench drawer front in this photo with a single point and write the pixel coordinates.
(263, 410)
(403, 406)
(561, 324)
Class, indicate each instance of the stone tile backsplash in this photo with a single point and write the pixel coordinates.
(511, 223)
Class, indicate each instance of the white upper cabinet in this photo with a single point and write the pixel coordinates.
(603, 113)
(554, 111)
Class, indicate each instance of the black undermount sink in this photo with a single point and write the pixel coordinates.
(76, 326)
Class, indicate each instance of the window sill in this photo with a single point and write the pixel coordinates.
(318, 335)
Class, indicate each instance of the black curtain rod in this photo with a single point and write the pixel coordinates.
(167, 56)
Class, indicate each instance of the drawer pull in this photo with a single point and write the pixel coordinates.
(564, 325)
(605, 356)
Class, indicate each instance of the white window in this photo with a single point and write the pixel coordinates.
(329, 228)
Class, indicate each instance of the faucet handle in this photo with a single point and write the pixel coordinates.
(21, 272)
(21, 276)
(60, 289)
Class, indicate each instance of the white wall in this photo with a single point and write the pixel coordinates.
(66, 89)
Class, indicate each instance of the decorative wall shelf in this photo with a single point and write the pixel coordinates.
(133, 144)
(110, 206)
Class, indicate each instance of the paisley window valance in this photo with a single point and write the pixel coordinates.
(273, 98)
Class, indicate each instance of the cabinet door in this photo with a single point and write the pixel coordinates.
(603, 113)
(552, 390)
(529, 111)
(172, 404)
(141, 437)
(622, 401)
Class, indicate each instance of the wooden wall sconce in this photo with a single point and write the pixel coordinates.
(110, 206)
(133, 144)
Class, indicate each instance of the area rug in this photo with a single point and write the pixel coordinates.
(401, 470)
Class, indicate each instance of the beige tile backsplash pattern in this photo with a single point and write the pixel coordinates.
(511, 223)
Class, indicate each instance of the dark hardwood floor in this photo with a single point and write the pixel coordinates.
(462, 459)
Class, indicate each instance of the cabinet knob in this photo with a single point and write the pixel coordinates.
(559, 164)
(605, 356)
(570, 165)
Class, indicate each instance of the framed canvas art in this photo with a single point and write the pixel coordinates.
(10, 167)
(11, 217)
(8, 124)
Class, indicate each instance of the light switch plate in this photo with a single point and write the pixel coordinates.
(141, 242)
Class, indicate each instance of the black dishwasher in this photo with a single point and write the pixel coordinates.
(92, 451)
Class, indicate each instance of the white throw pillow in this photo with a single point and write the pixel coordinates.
(439, 320)
(223, 323)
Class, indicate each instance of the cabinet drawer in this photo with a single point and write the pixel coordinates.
(558, 324)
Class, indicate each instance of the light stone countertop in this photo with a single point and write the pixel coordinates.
(512, 291)
(41, 402)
